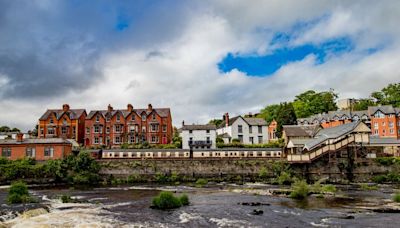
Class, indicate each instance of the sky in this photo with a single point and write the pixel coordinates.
(200, 58)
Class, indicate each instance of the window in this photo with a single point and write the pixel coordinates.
(154, 139)
(96, 129)
(208, 131)
(50, 131)
(87, 130)
(108, 118)
(144, 117)
(391, 131)
(391, 124)
(240, 138)
(379, 115)
(30, 152)
(383, 123)
(154, 116)
(391, 115)
(6, 152)
(240, 128)
(117, 128)
(108, 130)
(118, 118)
(74, 130)
(143, 129)
(376, 132)
(250, 129)
(131, 139)
(48, 151)
(190, 131)
(251, 140)
(154, 127)
(260, 139)
(260, 129)
(117, 140)
(164, 128)
(376, 125)
(42, 131)
(133, 117)
(97, 118)
(63, 130)
(208, 140)
(96, 140)
(132, 129)
(51, 121)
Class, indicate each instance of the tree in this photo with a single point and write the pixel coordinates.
(269, 113)
(311, 102)
(4, 129)
(286, 116)
(363, 104)
(390, 95)
(216, 122)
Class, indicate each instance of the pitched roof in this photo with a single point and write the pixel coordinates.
(199, 127)
(300, 130)
(252, 121)
(163, 112)
(387, 109)
(35, 141)
(72, 113)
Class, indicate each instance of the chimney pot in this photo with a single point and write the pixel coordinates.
(110, 108)
(20, 137)
(150, 107)
(65, 107)
(130, 108)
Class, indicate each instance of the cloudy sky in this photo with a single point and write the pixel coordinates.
(200, 58)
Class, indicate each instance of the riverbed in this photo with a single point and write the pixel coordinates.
(218, 205)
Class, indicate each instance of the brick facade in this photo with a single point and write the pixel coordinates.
(112, 128)
(63, 123)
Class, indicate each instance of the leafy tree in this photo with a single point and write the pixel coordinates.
(216, 122)
(390, 95)
(269, 113)
(311, 102)
(286, 116)
(4, 129)
(363, 104)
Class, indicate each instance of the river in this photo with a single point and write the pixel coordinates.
(214, 206)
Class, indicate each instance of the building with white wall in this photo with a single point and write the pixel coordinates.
(248, 130)
(199, 136)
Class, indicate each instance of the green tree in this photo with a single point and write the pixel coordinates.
(390, 95)
(363, 104)
(311, 102)
(269, 113)
(4, 129)
(216, 122)
(286, 116)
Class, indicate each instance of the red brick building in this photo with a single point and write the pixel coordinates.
(39, 149)
(272, 131)
(111, 128)
(63, 123)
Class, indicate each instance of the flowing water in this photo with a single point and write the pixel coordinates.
(216, 206)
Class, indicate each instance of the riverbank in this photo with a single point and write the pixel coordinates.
(216, 205)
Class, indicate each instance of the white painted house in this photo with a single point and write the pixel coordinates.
(249, 130)
(198, 136)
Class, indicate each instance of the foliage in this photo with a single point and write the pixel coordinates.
(8, 129)
(286, 116)
(216, 122)
(388, 161)
(328, 188)
(391, 177)
(300, 189)
(18, 193)
(219, 140)
(284, 178)
(363, 104)
(166, 200)
(269, 113)
(68, 199)
(390, 95)
(263, 173)
(396, 198)
(235, 141)
(311, 102)
(201, 182)
(368, 187)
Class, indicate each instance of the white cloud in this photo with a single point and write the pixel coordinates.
(182, 71)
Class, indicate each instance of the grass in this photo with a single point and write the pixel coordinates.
(300, 189)
(396, 198)
(368, 187)
(201, 182)
(167, 200)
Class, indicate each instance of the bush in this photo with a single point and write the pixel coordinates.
(263, 173)
(201, 182)
(18, 193)
(167, 200)
(396, 197)
(300, 189)
(284, 178)
(368, 187)
(329, 188)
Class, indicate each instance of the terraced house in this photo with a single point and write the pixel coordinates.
(112, 128)
(63, 123)
(384, 120)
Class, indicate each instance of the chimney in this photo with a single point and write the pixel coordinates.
(150, 107)
(226, 117)
(65, 107)
(130, 108)
(110, 108)
(20, 137)
(183, 123)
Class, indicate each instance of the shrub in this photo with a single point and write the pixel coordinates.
(67, 199)
(368, 187)
(284, 178)
(184, 200)
(396, 197)
(18, 193)
(166, 200)
(379, 179)
(300, 189)
(201, 182)
(329, 188)
(263, 173)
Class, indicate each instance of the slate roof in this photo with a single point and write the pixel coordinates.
(252, 121)
(300, 130)
(331, 133)
(73, 113)
(199, 127)
(35, 141)
(387, 109)
(163, 112)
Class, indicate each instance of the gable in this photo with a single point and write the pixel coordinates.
(361, 127)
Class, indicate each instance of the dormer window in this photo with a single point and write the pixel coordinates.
(144, 117)
(51, 121)
(118, 118)
(65, 121)
(379, 114)
(97, 118)
(154, 116)
(133, 117)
